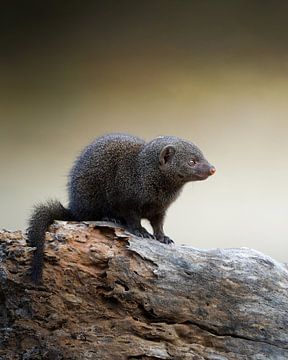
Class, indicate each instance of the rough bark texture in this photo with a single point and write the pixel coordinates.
(109, 295)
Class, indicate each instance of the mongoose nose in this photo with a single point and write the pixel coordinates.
(212, 170)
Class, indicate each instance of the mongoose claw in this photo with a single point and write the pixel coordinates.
(166, 240)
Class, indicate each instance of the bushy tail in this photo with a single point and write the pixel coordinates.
(43, 216)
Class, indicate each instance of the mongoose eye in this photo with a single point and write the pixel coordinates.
(192, 162)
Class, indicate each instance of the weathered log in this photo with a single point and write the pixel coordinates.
(109, 295)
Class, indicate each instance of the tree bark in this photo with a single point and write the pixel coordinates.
(109, 295)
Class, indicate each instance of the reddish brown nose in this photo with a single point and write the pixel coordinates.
(212, 170)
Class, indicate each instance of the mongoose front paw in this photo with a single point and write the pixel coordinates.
(166, 240)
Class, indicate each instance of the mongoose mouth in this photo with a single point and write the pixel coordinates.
(205, 175)
(201, 177)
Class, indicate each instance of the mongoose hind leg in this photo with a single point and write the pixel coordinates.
(133, 226)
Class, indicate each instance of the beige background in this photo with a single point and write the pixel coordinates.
(211, 72)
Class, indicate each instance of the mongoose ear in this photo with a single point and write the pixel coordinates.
(166, 154)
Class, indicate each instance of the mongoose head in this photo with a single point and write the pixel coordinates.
(184, 161)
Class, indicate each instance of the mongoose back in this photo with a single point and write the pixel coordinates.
(122, 178)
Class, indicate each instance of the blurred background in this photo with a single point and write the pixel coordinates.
(213, 72)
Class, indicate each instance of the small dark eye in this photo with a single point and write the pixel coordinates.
(192, 162)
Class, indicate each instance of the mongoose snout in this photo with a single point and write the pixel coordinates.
(212, 170)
